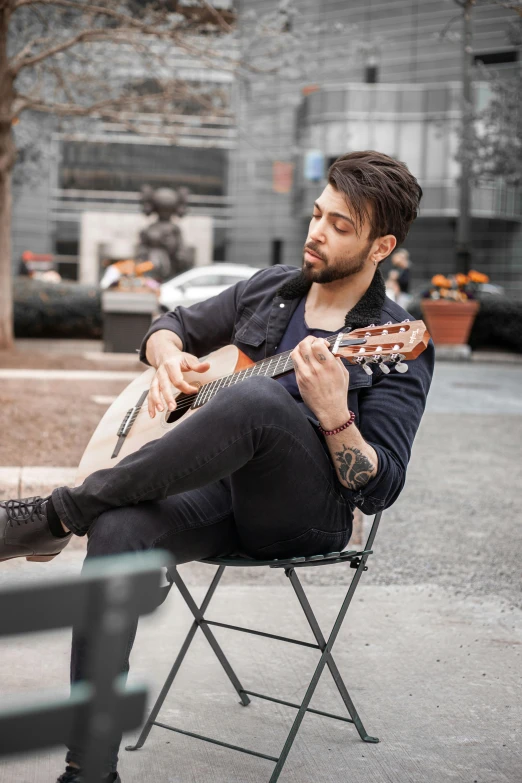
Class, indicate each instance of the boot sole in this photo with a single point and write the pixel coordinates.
(32, 558)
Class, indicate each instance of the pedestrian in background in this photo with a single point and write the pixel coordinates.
(399, 277)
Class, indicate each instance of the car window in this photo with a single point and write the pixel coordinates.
(231, 279)
(205, 280)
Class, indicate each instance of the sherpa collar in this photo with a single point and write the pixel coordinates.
(367, 310)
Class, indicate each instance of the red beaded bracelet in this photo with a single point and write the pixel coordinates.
(341, 428)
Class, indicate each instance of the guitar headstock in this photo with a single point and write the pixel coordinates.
(383, 345)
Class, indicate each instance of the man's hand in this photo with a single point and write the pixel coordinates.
(323, 381)
(165, 353)
(170, 374)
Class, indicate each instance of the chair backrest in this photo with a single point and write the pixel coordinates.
(373, 530)
(103, 605)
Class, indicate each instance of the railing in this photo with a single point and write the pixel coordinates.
(68, 204)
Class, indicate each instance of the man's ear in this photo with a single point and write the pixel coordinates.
(385, 246)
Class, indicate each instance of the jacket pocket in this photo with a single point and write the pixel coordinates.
(252, 332)
(358, 378)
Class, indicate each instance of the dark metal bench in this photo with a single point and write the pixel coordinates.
(102, 604)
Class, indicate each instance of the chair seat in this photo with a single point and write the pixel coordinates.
(240, 559)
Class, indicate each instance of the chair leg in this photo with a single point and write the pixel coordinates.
(211, 639)
(316, 630)
(298, 719)
(177, 663)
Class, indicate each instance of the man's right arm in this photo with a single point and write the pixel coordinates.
(164, 351)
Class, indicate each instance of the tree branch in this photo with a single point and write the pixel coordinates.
(86, 35)
(109, 107)
(218, 17)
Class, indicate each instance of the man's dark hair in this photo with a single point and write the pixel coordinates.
(378, 188)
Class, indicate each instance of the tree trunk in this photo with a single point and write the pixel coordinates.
(6, 294)
(7, 158)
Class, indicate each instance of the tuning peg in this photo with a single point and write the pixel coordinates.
(401, 367)
(364, 364)
(384, 368)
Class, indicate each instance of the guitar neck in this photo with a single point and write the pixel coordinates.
(272, 367)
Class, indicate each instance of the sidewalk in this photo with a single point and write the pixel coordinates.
(437, 680)
(431, 650)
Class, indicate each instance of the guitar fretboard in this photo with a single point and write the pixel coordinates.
(270, 368)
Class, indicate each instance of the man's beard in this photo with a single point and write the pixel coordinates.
(338, 269)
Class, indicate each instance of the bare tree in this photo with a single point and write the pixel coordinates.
(496, 149)
(106, 60)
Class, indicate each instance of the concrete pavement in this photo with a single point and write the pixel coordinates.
(430, 651)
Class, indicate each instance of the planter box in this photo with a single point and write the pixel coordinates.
(127, 317)
(449, 323)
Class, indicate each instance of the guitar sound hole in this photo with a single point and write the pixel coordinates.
(182, 406)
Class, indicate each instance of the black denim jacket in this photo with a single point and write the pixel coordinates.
(254, 314)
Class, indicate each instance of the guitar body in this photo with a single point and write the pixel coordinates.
(105, 440)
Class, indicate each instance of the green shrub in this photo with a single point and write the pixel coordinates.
(66, 309)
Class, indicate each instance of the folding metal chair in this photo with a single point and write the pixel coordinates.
(353, 559)
(103, 604)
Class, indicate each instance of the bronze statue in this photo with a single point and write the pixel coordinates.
(162, 241)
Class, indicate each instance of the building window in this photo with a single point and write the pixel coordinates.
(371, 74)
(497, 58)
(277, 252)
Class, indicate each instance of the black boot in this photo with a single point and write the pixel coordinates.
(24, 531)
(74, 775)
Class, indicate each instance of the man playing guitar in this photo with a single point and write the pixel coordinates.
(268, 467)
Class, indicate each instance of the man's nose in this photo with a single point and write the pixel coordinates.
(316, 233)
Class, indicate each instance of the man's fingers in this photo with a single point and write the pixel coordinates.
(154, 399)
(165, 383)
(194, 365)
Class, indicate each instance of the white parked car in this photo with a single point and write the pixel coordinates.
(200, 283)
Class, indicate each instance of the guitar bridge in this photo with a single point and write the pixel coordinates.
(126, 425)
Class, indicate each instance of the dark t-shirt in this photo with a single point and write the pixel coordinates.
(296, 331)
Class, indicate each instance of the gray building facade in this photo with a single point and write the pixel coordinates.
(384, 76)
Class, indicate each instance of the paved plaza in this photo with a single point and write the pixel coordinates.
(430, 650)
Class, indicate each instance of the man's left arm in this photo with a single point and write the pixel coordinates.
(371, 460)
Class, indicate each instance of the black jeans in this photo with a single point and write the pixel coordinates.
(247, 472)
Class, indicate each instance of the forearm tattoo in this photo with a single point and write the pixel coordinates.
(355, 469)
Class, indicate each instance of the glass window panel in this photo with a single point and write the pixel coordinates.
(385, 100)
(435, 152)
(317, 136)
(315, 102)
(384, 137)
(482, 95)
(336, 138)
(334, 100)
(410, 146)
(437, 99)
(453, 170)
(412, 101)
(358, 135)
(358, 100)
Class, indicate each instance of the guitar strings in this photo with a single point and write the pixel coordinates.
(188, 401)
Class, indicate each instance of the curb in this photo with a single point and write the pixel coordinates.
(22, 482)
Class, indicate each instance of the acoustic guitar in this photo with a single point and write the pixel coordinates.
(126, 426)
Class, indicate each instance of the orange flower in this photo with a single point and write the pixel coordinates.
(441, 282)
(461, 279)
(478, 277)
